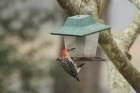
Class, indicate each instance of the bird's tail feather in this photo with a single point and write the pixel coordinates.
(77, 79)
(81, 65)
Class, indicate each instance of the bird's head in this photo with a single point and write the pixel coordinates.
(66, 51)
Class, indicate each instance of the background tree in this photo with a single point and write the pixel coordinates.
(108, 42)
(20, 23)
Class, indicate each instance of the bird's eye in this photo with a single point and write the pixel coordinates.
(68, 50)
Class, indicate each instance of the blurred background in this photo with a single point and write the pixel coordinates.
(28, 51)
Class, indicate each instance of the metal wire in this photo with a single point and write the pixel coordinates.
(80, 8)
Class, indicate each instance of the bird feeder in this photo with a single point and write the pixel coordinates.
(81, 32)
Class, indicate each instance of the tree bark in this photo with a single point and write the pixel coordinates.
(130, 33)
(120, 60)
(136, 3)
(100, 5)
(107, 42)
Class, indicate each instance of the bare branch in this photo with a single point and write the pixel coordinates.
(101, 4)
(116, 82)
(119, 59)
(122, 46)
(131, 33)
(136, 3)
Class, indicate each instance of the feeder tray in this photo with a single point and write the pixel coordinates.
(84, 59)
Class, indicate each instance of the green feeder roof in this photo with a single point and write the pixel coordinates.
(81, 25)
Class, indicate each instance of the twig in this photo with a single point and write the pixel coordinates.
(136, 3)
(131, 33)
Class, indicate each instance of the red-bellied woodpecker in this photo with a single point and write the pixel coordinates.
(68, 65)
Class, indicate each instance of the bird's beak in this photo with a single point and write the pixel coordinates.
(72, 49)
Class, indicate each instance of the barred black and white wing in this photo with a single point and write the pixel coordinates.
(69, 68)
